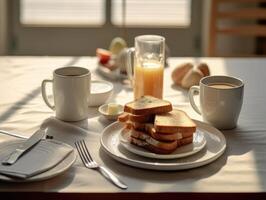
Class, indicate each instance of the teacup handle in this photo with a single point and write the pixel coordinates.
(191, 94)
(129, 66)
(44, 95)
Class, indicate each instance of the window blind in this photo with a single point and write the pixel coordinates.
(152, 12)
(62, 12)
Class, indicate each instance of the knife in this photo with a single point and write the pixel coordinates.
(13, 134)
(25, 146)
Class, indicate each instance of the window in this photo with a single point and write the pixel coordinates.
(50, 27)
(153, 13)
(156, 13)
(62, 12)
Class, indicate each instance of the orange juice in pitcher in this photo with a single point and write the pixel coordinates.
(147, 71)
(148, 80)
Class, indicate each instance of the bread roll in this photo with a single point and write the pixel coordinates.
(203, 67)
(191, 78)
(180, 71)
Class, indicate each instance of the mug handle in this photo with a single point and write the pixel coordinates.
(129, 66)
(44, 95)
(191, 94)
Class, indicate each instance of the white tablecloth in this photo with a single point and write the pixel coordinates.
(242, 168)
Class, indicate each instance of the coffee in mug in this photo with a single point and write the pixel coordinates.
(71, 90)
(222, 85)
(221, 99)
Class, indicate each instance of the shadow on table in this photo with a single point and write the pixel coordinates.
(163, 176)
(29, 96)
(180, 89)
(250, 135)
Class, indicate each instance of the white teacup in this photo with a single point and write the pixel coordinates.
(71, 90)
(221, 99)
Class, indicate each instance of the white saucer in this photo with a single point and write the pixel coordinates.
(55, 171)
(198, 144)
(215, 147)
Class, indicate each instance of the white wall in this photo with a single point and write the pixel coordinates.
(3, 27)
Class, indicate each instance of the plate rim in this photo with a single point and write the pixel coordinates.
(41, 176)
(165, 166)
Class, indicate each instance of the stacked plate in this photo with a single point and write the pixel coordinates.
(208, 144)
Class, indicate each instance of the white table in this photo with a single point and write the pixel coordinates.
(241, 169)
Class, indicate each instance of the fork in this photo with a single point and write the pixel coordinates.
(91, 164)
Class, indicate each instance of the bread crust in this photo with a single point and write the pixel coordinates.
(136, 118)
(141, 118)
(171, 130)
(148, 111)
(148, 105)
(123, 117)
(158, 149)
(169, 145)
(136, 125)
(167, 136)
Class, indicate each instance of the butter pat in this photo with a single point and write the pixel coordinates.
(112, 109)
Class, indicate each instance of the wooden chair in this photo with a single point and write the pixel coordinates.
(251, 11)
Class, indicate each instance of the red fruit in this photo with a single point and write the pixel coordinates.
(103, 55)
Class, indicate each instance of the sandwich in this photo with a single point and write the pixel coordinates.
(154, 125)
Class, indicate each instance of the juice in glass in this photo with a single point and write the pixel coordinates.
(148, 80)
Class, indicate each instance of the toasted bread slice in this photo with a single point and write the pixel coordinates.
(160, 147)
(166, 136)
(149, 129)
(150, 147)
(136, 118)
(124, 117)
(157, 150)
(173, 122)
(136, 125)
(148, 105)
(141, 118)
(167, 146)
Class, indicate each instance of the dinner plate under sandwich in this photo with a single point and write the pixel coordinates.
(214, 148)
(198, 144)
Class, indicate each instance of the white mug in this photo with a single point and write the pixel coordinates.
(71, 90)
(221, 99)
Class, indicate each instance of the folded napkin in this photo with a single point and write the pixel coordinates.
(42, 157)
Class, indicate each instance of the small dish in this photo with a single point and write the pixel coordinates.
(100, 92)
(103, 110)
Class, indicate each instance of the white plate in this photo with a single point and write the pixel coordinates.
(199, 143)
(112, 75)
(58, 169)
(215, 147)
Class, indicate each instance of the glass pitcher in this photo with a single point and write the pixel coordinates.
(146, 72)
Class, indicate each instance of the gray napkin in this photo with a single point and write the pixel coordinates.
(42, 157)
